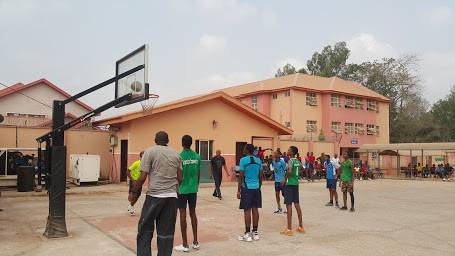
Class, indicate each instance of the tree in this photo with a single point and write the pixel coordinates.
(288, 69)
(396, 79)
(443, 113)
(330, 62)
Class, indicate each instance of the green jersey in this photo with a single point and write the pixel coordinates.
(346, 171)
(135, 171)
(293, 178)
(191, 163)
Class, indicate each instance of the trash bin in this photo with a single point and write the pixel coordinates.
(25, 178)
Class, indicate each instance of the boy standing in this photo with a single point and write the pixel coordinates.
(331, 177)
(291, 191)
(249, 192)
(347, 182)
(133, 174)
(279, 169)
(191, 163)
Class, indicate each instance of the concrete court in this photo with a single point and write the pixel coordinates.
(392, 218)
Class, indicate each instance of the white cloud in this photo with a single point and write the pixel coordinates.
(227, 10)
(438, 74)
(217, 81)
(298, 64)
(212, 43)
(439, 15)
(365, 47)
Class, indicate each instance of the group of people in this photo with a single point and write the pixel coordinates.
(173, 181)
(442, 171)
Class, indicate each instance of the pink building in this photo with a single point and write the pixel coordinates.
(320, 110)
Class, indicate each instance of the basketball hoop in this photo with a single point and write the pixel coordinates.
(149, 103)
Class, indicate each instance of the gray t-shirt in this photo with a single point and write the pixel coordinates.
(161, 163)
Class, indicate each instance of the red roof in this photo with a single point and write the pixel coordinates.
(20, 86)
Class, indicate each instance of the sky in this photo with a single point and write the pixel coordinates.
(202, 45)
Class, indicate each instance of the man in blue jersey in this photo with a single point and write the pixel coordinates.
(279, 169)
(249, 192)
(332, 177)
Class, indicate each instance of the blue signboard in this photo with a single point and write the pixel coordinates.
(354, 141)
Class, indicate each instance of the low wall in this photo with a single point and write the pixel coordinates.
(77, 142)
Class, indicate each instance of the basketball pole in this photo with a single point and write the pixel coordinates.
(56, 167)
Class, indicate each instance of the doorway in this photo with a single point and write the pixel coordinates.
(123, 159)
(239, 148)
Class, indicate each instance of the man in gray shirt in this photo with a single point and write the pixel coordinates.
(162, 165)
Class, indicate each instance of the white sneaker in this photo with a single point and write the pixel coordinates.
(255, 236)
(131, 210)
(444, 179)
(196, 246)
(246, 238)
(182, 248)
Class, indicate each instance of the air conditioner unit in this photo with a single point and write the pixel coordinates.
(84, 168)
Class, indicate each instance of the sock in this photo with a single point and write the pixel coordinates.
(247, 230)
(352, 199)
(255, 229)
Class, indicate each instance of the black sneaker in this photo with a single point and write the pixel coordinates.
(344, 208)
(329, 204)
(279, 211)
(352, 209)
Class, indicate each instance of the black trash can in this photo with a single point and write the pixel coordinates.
(25, 178)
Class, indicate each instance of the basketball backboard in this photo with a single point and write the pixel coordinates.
(135, 83)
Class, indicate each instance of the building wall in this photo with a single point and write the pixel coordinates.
(196, 120)
(77, 142)
(17, 103)
(382, 121)
(280, 108)
(301, 113)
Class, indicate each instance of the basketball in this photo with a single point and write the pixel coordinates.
(136, 86)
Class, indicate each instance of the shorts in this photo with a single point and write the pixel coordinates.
(279, 187)
(331, 183)
(347, 186)
(131, 189)
(250, 198)
(291, 194)
(187, 199)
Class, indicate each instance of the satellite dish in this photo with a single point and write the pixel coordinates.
(2, 118)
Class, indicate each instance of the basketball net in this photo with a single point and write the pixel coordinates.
(148, 104)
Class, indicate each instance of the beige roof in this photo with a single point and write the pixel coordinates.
(443, 147)
(305, 82)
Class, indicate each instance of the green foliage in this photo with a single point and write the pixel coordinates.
(443, 113)
(330, 62)
(288, 69)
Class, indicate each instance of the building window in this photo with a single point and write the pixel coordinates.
(274, 96)
(336, 127)
(204, 148)
(287, 124)
(371, 129)
(311, 126)
(358, 103)
(359, 130)
(254, 102)
(287, 93)
(350, 103)
(372, 105)
(349, 128)
(335, 101)
(311, 99)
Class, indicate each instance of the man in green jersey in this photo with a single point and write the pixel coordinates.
(133, 174)
(347, 181)
(191, 164)
(291, 191)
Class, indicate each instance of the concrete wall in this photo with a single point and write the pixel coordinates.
(77, 142)
(17, 103)
(302, 112)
